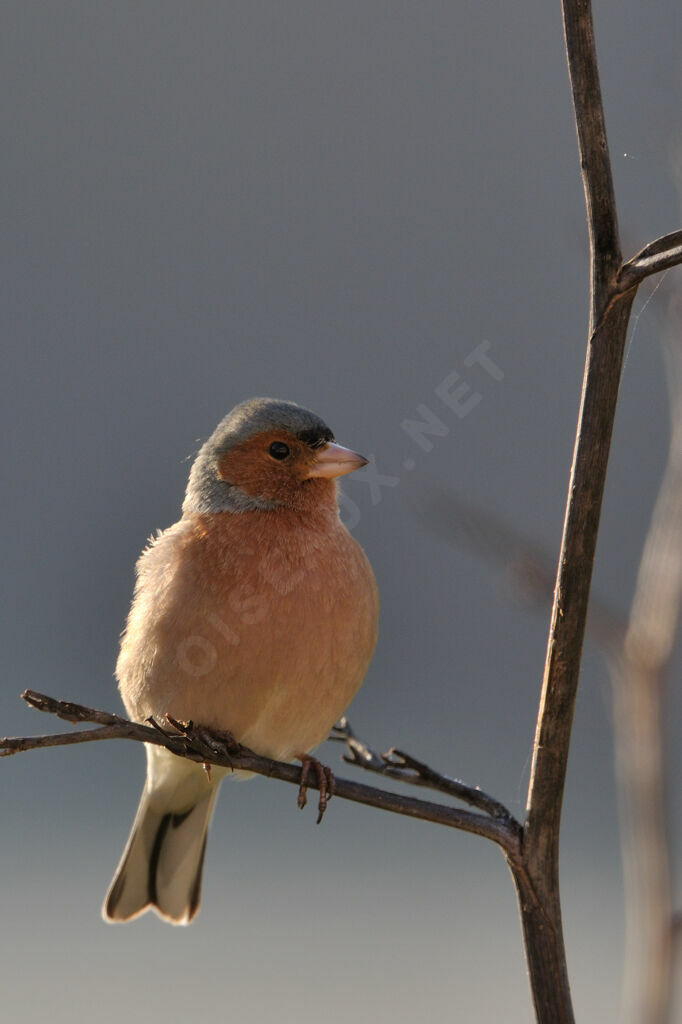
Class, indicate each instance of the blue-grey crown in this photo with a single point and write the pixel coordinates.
(205, 491)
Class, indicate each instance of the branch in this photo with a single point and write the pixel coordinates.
(396, 764)
(590, 458)
(662, 254)
(221, 749)
(600, 199)
(608, 321)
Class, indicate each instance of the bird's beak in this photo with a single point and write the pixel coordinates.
(335, 461)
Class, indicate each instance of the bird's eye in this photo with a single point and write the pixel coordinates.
(278, 450)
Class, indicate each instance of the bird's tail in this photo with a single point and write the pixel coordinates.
(162, 863)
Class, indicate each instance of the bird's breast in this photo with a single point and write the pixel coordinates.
(260, 623)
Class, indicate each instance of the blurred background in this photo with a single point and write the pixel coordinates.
(336, 204)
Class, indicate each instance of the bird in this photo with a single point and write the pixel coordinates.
(255, 614)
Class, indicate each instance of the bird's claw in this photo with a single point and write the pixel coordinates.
(205, 741)
(325, 783)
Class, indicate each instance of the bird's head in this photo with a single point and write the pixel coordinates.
(267, 454)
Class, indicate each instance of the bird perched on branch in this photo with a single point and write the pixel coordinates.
(256, 614)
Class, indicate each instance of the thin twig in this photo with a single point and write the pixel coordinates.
(661, 254)
(396, 764)
(70, 712)
(220, 749)
(18, 744)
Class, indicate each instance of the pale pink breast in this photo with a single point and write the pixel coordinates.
(260, 623)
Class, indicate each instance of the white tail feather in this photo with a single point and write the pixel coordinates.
(162, 862)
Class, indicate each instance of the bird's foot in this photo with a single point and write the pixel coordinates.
(325, 783)
(209, 742)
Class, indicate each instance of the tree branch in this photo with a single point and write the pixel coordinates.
(661, 254)
(600, 199)
(396, 764)
(608, 321)
(221, 749)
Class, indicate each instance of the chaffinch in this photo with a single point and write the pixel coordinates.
(256, 613)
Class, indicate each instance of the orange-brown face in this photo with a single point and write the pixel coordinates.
(276, 466)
